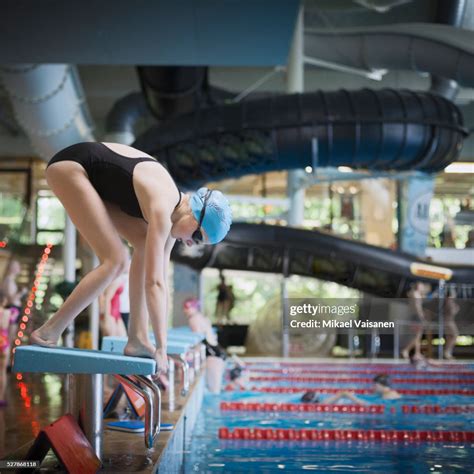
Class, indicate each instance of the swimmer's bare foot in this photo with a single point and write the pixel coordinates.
(140, 349)
(39, 338)
(163, 379)
(405, 354)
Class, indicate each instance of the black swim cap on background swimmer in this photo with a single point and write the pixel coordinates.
(235, 373)
(382, 379)
(309, 397)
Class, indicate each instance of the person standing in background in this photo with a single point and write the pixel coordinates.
(125, 296)
(417, 293)
(109, 303)
(4, 345)
(451, 308)
(470, 239)
(13, 297)
(216, 355)
(225, 300)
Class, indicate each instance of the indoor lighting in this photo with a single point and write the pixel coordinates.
(460, 167)
(344, 169)
(308, 169)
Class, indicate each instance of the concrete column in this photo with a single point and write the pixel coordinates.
(295, 72)
(285, 323)
(414, 227)
(377, 199)
(186, 284)
(94, 313)
(69, 261)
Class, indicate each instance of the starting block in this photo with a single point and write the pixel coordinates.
(85, 369)
(176, 351)
(62, 360)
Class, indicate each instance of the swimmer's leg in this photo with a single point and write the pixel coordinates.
(71, 185)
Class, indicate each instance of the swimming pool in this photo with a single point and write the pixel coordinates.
(209, 454)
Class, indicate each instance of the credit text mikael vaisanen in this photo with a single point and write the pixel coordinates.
(334, 323)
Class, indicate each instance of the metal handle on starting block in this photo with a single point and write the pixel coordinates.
(156, 400)
(149, 422)
(181, 361)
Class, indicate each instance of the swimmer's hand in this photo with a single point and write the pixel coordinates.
(161, 360)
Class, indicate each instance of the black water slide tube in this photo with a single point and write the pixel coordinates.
(366, 129)
(277, 249)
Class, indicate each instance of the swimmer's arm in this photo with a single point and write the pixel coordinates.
(343, 394)
(168, 248)
(355, 399)
(238, 361)
(155, 285)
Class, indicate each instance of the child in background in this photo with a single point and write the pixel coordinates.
(216, 355)
(111, 322)
(4, 346)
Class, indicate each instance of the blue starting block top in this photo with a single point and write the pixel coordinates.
(61, 360)
(187, 330)
(117, 345)
(192, 338)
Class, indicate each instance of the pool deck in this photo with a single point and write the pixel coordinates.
(126, 452)
(37, 401)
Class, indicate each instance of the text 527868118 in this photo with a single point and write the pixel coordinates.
(18, 464)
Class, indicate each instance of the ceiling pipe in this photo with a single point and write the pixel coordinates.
(122, 119)
(173, 90)
(440, 50)
(49, 105)
(449, 12)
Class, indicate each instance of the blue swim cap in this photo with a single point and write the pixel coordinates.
(218, 216)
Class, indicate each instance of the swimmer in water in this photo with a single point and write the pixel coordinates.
(382, 388)
(423, 363)
(238, 378)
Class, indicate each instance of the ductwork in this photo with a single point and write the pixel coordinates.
(172, 91)
(167, 91)
(176, 90)
(450, 13)
(366, 129)
(49, 105)
(439, 50)
(123, 117)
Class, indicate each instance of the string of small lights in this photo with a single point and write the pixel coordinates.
(36, 293)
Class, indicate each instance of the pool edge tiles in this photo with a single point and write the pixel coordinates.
(172, 458)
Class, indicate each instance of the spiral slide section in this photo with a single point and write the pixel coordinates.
(277, 249)
(366, 129)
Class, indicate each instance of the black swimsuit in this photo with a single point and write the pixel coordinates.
(110, 173)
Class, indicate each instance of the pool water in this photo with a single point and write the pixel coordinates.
(208, 454)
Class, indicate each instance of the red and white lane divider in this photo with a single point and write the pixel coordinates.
(340, 408)
(421, 381)
(362, 391)
(302, 407)
(407, 436)
(374, 371)
(337, 366)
